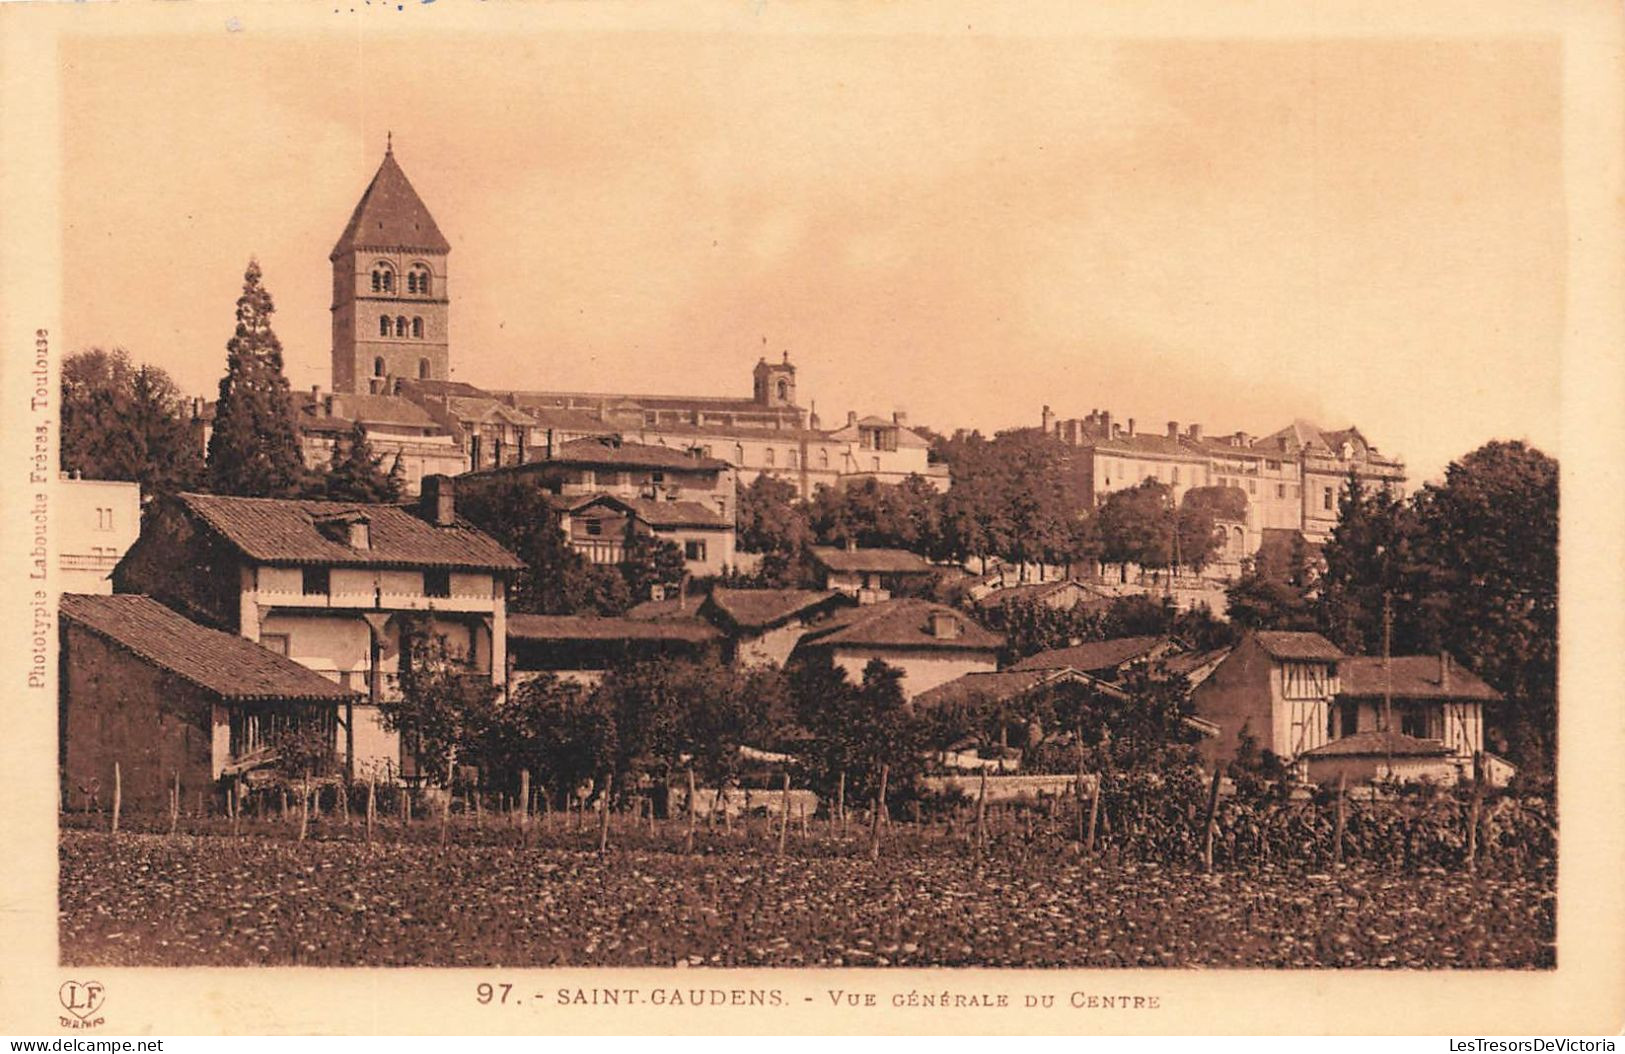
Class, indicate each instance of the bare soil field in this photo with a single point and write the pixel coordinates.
(208, 900)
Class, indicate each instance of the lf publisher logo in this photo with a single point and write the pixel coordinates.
(82, 999)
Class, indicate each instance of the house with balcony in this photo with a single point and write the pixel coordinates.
(1412, 716)
(332, 586)
(870, 576)
(600, 526)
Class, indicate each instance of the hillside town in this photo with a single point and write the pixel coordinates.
(336, 581)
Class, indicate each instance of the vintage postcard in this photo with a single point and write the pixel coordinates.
(757, 517)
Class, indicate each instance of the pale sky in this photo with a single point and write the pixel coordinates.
(1235, 233)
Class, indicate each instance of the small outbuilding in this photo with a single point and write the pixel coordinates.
(160, 695)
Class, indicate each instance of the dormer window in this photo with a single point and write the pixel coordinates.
(944, 626)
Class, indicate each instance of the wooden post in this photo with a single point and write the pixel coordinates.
(1094, 815)
(118, 795)
(688, 840)
(1077, 793)
(524, 808)
(304, 807)
(1472, 831)
(784, 812)
(234, 808)
(445, 814)
(1337, 833)
(406, 807)
(372, 803)
(1212, 815)
(981, 812)
(880, 810)
(603, 819)
(175, 804)
(840, 801)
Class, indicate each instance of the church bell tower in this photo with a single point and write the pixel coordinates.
(391, 298)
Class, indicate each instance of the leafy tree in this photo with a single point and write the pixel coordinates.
(126, 422)
(771, 517)
(445, 710)
(562, 732)
(856, 730)
(355, 473)
(254, 448)
(649, 561)
(1145, 731)
(1259, 600)
(1490, 544)
(1137, 526)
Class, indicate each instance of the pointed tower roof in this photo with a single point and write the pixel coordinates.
(390, 215)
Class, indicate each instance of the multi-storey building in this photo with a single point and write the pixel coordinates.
(96, 522)
(332, 585)
(1290, 479)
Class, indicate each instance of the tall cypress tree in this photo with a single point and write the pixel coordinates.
(254, 448)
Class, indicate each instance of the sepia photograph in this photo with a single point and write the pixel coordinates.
(545, 490)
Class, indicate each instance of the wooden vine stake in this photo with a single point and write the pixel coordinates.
(603, 819)
(784, 812)
(304, 807)
(1472, 829)
(1342, 820)
(118, 795)
(880, 810)
(1212, 815)
(372, 803)
(524, 807)
(1094, 816)
(840, 801)
(981, 813)
(175, 804)
(688, 839)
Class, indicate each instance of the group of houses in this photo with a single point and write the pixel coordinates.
(231, 618)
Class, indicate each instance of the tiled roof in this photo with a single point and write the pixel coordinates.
(1147, 444)
(902, 624)
(1093, 655)
(1004, 685)
(659, 513)
(594, 450)
(380, 409)
(280, 531)
(663, 609)
(1286, 644)
(874, 561)
(390, 215)
(227, 666)
(1193, 663)
(568, 420)
(1411, 677)
(757, 609)
(1379, 744)
(586, 627)
(1039, 590)
(485, 408)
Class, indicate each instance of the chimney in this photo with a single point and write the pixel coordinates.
(944, 625)
(1117, 430)
(439, 503)
(197, 406)
(1048, 417)
(1131, 426)
(1106, 423)
(316, 399)
(1195, 432)
(1444, 670)
(1173, 429)
(851, 418)
(900, 418)
(850, 545)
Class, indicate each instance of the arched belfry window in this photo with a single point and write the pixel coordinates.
(400, 326)
(378, 366)
(383, 325)
(417, 328)
(784, 388)
(423, 369)
(417, 280)
(383, 278)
